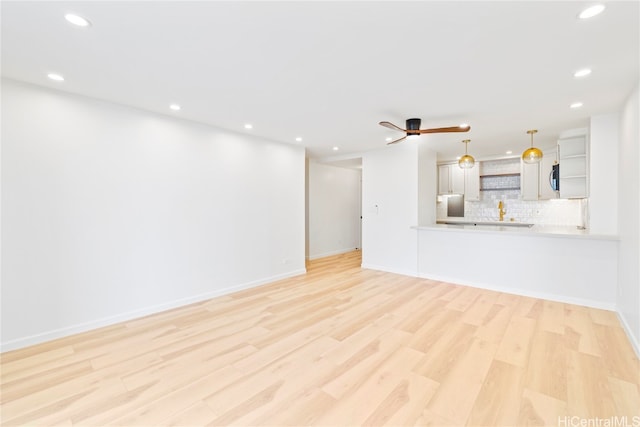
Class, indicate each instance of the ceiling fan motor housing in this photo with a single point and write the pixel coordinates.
(413, 126)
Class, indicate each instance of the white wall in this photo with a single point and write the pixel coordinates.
(427, 183)
(109, 213)
(390, 208)
(628, 299)
(333, 209)
(603, 178)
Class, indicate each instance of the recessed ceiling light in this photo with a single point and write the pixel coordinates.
(582, 73)
(298, 139)
(458, 158)
(56, 77)
(174, 107)
(248, 126)
(576, 105)
(335, 148)
(77, 20)
(388, 139)
(508, 152)
(592, 11)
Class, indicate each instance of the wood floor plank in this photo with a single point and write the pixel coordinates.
(464, 299)
(467, 374)
(339, 345)
(146, 398)
(620, 362)
(196, 414)
(499, 400)
(53, 410)
(604, 317)
(356, 370)
(578, 322)
(430, 419)
(305, 409)
(291, 372)
(176, 400)
(552, 317)
(516, 341)
(626, 397)
(547, 367)
(585, 374)
(445, 353)
(475, 314)
(404, 405)
(524, 306)
(435, 328)
(12, 368)
(495, 323)
(380, 383)
(539, 409)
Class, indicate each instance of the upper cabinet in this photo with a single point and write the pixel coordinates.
(545, 185)
(530, 181)
(573, 156)
(472, 182)
(536, 177)
(450, 179)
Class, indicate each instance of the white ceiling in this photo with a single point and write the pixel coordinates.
(330, 71)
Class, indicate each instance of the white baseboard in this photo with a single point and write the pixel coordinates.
(390, 270)
(331, 253)
(122, 317)
(527, 293)
(635, 343)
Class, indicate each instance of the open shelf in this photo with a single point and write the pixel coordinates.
(500, 182)
(573, 155)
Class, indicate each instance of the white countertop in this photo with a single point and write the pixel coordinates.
(498, 227)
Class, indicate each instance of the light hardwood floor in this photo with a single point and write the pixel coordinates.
(338, 346)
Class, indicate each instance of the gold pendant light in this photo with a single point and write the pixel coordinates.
(532, 154)
(466, 161)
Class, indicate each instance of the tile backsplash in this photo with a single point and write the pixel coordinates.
(559, 212)
(546, 212)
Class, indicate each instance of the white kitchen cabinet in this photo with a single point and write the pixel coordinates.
(443, 179)
(574, 167)
(549, 159)
(535, 177)
(472, 183)
(450, 179)
(529, 181)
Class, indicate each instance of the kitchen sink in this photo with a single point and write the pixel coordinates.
(494, 223)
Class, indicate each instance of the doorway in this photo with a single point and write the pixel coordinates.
(334, 207)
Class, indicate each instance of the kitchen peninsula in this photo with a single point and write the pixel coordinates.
(560, 264)
(542, 248)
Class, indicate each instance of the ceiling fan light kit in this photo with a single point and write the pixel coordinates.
(532, 154)
(413, 129)
(467, 161)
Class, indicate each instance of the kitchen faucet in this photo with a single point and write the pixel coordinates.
(501, 210)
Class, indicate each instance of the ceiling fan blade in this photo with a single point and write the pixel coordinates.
(392, 126)
(449, 129)
(397, 140)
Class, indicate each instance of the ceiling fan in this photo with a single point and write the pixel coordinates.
(413, 128)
